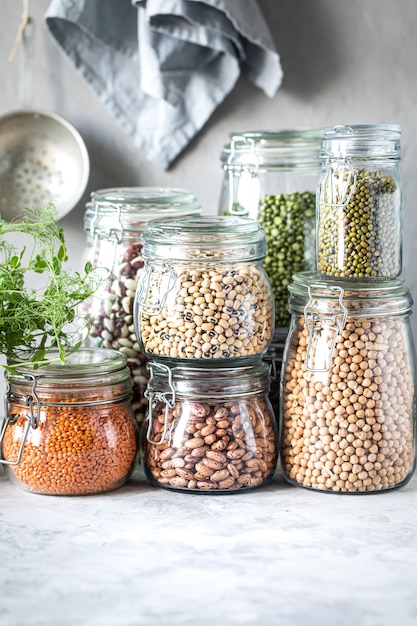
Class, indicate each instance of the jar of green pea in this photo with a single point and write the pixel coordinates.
(359, 226)
(272, 177)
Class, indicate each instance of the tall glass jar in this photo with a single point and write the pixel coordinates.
(69, 428)
(348, 386)
(204, 294)
(209, 429)
(359, 229)
(272, 177)
(114, 222)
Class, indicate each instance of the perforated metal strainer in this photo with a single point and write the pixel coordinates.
(43, 159)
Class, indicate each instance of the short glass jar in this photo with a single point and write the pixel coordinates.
(204, 294)
(114, 221)
(272, 176)
(209, 429)
(69, 428)
(359, 226)
(348, 386)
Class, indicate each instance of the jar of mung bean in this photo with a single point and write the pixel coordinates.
(348, 386)
(204, 294)
(359, 230)
(69, 428)
(209, 430)
(272, 176)
(114, 222)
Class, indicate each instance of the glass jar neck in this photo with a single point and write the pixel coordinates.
(214, 239)
(362, 142)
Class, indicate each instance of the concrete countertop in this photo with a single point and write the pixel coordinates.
(142, 556)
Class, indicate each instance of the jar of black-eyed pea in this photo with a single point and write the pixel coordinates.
(114, 221)
(272, 176)
(359, 227)
(69, 428)
(209, 430)
(348, 405)
(203, 295)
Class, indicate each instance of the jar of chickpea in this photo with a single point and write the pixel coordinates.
(209, 430)
(70, 428)
(359, 225)
(348, 386)
(204, 295)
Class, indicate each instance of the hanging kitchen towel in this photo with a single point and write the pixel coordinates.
(162, 67)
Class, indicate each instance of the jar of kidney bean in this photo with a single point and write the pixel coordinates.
(272, 176)
(348, 386)
(359, 230)
(114, 222)
(209, 430)
(69, 428)
(204, 295)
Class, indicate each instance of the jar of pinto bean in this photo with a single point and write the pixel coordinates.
(209, 429)
(359, 229)
(348, 386)
(114, 222)
(204, 294)
(272, 176)
(70, 428)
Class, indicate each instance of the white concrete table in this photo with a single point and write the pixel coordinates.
(142, 556)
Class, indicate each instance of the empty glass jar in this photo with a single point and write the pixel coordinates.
(360, 213)
(348, 386)
(204, 294)
(209, 430)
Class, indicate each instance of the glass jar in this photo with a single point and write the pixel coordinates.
(348, 391)
(114, 222)
(272, 177)
(360, 203)
(208, 429)
(203, 294)
(69, 428)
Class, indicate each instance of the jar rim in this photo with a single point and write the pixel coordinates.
(376, 297)
(362, 141)
(209, 381)
(275, 148)
(85, 362)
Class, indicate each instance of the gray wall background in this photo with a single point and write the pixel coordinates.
(344, 62)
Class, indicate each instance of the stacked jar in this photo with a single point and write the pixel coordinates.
(272, 176)
(114, 222)
(204, 317)
(348, 380)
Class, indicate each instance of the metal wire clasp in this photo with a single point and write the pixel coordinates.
(153, 396)
(316, 321)
(234, 208)
(32, 419)
(339, 182)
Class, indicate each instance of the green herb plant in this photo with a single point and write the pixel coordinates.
(33, 321)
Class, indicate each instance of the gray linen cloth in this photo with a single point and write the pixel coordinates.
(161, 67)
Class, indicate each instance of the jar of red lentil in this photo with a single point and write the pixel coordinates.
(348, 386)
(69, 428)
(209, 430)
(114, 222)
(204, 294)
(272, 176)
(360, 203)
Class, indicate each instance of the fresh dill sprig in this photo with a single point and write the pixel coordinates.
(33, 321)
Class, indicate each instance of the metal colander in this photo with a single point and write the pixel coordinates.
(42, 159)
